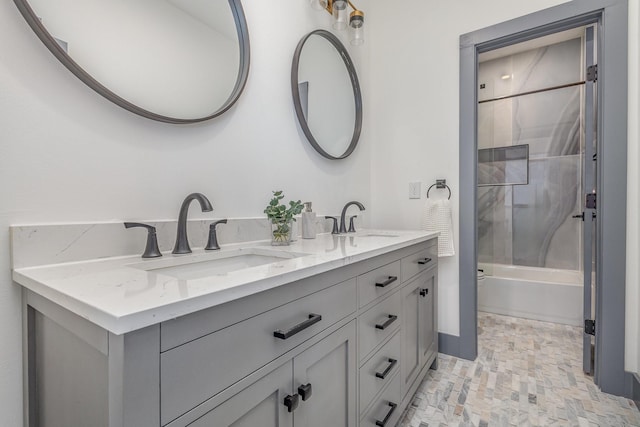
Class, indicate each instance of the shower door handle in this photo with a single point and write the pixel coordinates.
(581, 216)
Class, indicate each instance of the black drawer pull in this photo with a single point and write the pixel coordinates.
(387, 282)
(383, 423)
(291, 402)
(392, 318)
(424, 292)
(283, 335)
(424, 261)
(305, 392)
(392, 363)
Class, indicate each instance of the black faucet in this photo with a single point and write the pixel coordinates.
(151, 250)
(182, 242)
(212, 243)
(343, 227)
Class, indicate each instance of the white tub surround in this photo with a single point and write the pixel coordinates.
(126, 293)
(547, 294)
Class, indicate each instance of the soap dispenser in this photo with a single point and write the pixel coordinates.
(308, 222)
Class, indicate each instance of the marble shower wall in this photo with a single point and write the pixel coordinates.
(531, 224)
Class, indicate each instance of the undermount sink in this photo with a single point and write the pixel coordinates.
(378, 235)
(214, 264)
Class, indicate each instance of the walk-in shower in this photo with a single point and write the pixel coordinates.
(530, 178)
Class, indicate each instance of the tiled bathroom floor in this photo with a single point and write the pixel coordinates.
(527, 373)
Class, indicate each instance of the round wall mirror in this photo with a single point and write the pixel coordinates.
(176, 61)
(326, 94)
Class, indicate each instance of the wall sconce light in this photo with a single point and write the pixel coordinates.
(339, 9)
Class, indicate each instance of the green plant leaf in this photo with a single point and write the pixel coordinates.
(280, 215)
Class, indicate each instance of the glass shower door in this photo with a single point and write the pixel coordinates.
(530, 140)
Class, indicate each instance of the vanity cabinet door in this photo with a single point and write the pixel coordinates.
(428, 316)
(325, 380)
(418, 329)
(260, 404)
(411, 353)
(194, 372)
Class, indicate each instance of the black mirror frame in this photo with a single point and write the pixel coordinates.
(354, 83)
(53, 46)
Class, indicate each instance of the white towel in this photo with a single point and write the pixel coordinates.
(436, 216)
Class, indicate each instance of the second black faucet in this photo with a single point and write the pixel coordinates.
(182, 241)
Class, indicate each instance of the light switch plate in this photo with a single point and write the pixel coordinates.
(414, 190)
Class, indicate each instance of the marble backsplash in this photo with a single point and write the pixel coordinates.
(33, 245)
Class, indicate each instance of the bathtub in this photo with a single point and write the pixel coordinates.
(546, 294)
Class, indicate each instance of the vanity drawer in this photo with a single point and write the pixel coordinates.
(420, 261)
(378, 371)
(198, 370)
(386, 410)
(378, 323)
(378, 282)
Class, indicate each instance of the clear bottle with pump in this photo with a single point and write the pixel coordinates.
(308, 222)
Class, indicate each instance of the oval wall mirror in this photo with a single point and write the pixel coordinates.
(176, 61)
(326, 94)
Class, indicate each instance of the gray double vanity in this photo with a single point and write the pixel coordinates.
(335, 331)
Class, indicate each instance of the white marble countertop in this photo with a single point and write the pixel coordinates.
(123, 294)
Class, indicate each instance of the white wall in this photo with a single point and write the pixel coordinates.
(68, 155)
(415, 111)
(414, 68)
(632, 312)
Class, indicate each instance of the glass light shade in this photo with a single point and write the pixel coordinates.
(319, 4)
(340, 16)
(356, 25)
(357, 36)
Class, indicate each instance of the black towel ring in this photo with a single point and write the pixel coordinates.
(440, 183)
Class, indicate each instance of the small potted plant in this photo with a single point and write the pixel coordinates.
(281, 218)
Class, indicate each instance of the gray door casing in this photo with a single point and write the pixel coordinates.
(611, 18)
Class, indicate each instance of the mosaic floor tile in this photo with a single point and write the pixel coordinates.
(528, 373)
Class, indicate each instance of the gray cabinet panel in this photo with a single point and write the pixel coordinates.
(140, 382)
(370, 334)
(420, 261)
(380, 363)
(260, 404)
(378, 282)
(411, 354)
(382, 407)
(187, 328)
(429, 336)
(419, 329)
(71, 378)
(330, 368)
(196, 371)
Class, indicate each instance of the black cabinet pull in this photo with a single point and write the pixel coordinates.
(392, 318)
(383, 423)
(392, 363)
(291, 402)
(283, 335)
(424, 261)
(424, 292)
(387, 282)
(305, 392)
